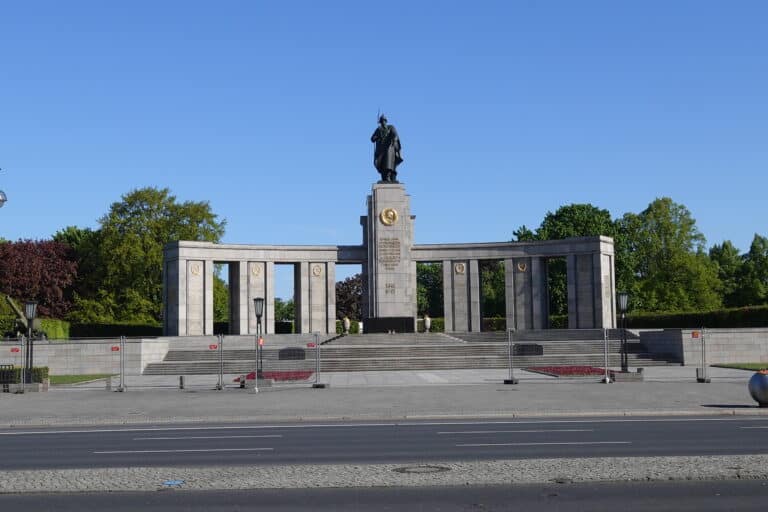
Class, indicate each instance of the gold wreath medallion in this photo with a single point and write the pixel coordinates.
(317, 270)
(460, 268)
(522, 267)
(256, 270)
(195, 269)
(388, 216)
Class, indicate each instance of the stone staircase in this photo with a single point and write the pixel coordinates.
(416, 351)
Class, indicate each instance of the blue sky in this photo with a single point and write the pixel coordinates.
(506, 110)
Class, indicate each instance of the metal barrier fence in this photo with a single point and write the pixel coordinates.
(595, 354)
(215, 362)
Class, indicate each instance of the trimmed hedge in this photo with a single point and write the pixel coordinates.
(558, 321)
(114, 330)
(284, 327)
(39, 373)
(354, 327)
(752, 316)
(54, 328)
(494, 324)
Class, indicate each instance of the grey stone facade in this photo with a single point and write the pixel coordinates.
(388, 257)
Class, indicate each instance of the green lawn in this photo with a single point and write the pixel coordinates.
(744, 366)
(75, 379)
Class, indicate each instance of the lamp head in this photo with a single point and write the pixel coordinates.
(30, 309)
(258, 306)
(623, 300)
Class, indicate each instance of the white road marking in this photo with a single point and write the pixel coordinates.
(753, 427)
(114, 452)
(202, 437)
(473, 445)
(516, 431)
(390, 424)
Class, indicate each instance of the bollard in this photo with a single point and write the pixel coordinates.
(181, 382)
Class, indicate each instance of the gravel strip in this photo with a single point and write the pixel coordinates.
(388, 475)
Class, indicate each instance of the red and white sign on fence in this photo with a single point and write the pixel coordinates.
(15, 350)
(115, 348)
(213, 346)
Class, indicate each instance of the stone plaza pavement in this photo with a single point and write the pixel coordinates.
(383, 396)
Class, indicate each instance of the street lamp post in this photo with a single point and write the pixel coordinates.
(623, 299)
(258, 306)
(30, 311)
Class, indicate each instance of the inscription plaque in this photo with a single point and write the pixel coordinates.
(389, 252)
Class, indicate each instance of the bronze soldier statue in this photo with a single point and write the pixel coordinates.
(386, 155)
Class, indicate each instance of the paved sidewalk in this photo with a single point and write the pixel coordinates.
(384, 396)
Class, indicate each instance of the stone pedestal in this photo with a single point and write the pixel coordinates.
(389, 275)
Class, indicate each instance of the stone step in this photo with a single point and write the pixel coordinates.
(414, 363)
(332, 351)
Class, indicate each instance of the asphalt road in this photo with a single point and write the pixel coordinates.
(627, 497)
(390, 442)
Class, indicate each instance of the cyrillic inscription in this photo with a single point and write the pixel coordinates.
(389, 252)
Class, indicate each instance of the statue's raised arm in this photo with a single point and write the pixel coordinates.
(386, 155)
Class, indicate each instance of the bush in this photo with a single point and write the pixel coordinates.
(96, 330)
(494, 324)
(55, 329)
(437, 325)
(284, 327)
(39, 373)
(558, 321)
(354, 327)
(751, 316)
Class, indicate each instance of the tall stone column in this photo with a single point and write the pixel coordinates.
(390, 286)
(605, 290)
(475, 321)
(175, 292)
(448, 295)
(301, 296)
(584, 291)
(330, 286)
(258, 287)
(195, 298)
(208, 294)
(509, 293)
(539, 295)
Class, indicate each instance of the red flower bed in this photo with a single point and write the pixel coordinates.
(567, 371)
(279, 376)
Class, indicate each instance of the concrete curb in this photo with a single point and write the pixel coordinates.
(261, 420)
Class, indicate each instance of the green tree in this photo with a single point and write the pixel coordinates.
(729, 269)
(220, 295)
(285, 310)
(86, 247)
(349, 297)
(753, 279)
(492, 288)
(429, 289)
(672, 271)
(573, 220)
(133, 234)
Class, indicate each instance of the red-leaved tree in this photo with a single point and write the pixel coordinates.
(41, 270)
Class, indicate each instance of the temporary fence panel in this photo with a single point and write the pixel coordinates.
(85, 363)
(588, 354)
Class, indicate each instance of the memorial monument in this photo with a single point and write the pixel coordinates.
(388, 257)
